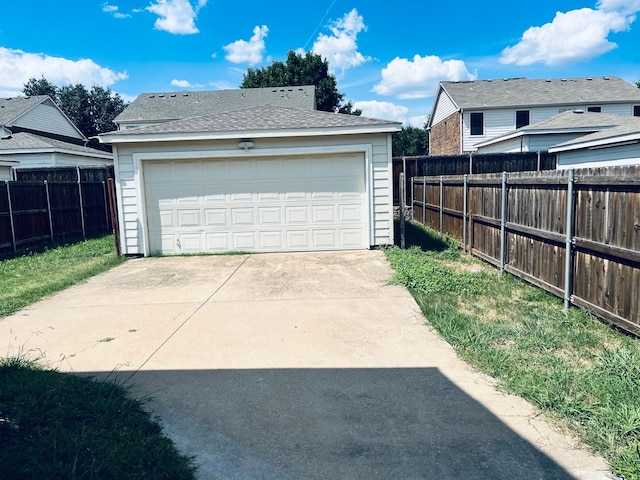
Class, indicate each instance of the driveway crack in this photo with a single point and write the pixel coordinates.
(179, 327)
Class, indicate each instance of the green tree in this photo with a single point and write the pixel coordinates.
(307, 69)
(40, 86)
(92, 111)
(411, 141)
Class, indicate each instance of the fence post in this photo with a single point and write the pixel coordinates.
(470, 163)
(503, 222)
(539, 162)
(106, 206)
(568, 252)
(46, 188)
(84, 233)
(441, 204)
(464, 215)
(13, 228)
(402, 187)
(424, 200)
(412, 206)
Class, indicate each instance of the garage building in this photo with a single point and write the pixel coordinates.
(266, 178)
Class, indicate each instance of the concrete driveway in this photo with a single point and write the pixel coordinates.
(294, 366)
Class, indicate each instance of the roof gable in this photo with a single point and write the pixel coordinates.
(627, 131)
(523, 92)
(14, 107)
(167, 106)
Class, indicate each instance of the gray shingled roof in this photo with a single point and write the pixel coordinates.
(521, 92)
(28, 141)
(630, 127)
(263, 118)
(166, 106)
(10, 108)
(573, 119)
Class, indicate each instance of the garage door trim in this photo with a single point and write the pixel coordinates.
(140, 158)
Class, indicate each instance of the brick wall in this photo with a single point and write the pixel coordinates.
(444, 138)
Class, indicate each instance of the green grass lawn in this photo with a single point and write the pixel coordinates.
(55, 425)
(583, 373)
(30, 277)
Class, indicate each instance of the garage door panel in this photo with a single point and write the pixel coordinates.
(296, 215)
(215, 217)
(242, 216)
(271, 240)
(297, 239)
(270, 216)
(274, 204)
(244, 240)
(189, 218)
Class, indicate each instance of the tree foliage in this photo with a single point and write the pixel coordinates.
(92, 111)
(307, 69)
(411, 141)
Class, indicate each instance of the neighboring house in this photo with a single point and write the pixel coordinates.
(36, 133)
(160, 107)
(469, 113)
(262, 178)
(619, 145)
(539, 137)
(6, 166)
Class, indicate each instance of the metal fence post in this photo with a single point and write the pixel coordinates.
(568, 252)
(470, 163)
(402, 187)
(46, 188)
(412, 206)
(84, 233)
(464, 215)
(13, 228)
(539, 161)
(441, 204)
(424, 200)
(503, 222)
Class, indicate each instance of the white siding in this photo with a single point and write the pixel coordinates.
(5, 173)
(444, 108)
(507, 146)
(380, 169)
(69, 160)
(34, 160)
(602, 157)
(544, 142)
(46, 117)
(498, 122)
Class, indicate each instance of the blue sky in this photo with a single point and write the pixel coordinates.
(388, 57)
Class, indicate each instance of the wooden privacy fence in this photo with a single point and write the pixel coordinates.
(574, 233)
(469, 164)
(34, 213)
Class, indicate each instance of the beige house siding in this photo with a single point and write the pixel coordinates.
(130, 169)
(444, 138)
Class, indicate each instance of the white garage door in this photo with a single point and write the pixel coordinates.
(263, 204)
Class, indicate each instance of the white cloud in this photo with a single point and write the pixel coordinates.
(176, 16)
(574, 36)
(382, 110)
(419, 122)
(251, 52)
(17, 67)
(341, 49)
(185, 84)
(419, 78)
(114, 10)
(626, 7)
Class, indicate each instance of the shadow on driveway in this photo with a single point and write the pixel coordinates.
(369, 423)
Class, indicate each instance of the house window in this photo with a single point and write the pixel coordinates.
(636, 110)
(594, 109)
(522, 118)
(477, 123)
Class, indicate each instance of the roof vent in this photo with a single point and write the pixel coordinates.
(173, 95)
(548, 80)
(185, 94)
(607, 78)
(161, 95)
(578, 110)
(589, 78)
(563, 79)
(151, 96)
